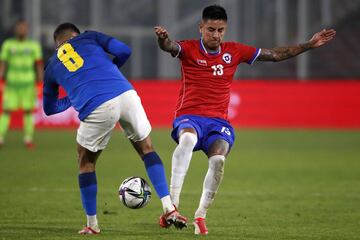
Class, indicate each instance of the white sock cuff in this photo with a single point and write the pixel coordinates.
(217, 158)
(91, 220)
(167, 204)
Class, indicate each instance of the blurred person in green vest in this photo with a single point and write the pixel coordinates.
(20, 66)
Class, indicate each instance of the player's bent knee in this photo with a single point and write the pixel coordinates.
(188, 139)
(219, 147)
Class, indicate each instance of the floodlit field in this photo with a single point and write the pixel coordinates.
(278, 184)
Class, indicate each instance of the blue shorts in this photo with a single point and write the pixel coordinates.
(208, 130)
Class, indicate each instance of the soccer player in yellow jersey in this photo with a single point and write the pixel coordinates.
(20, 66)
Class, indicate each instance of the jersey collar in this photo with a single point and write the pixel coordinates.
(66, 41)
(210, 53)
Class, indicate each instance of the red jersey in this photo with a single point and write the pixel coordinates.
(206, 77)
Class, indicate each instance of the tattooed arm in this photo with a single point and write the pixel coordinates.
(281, 53)
(164, 41)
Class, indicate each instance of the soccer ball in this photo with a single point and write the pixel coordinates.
(134, 192)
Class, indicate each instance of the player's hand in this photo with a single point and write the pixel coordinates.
(161, 32)
(322, 37)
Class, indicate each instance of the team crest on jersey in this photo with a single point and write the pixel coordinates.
(202, 62)
(227, 58)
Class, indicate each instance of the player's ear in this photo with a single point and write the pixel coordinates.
(74, 34)
(57, 43)
(201, 25)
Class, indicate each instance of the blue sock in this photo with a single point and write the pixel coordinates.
(88, 190)
(155, 170)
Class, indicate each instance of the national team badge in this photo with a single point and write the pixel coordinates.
(227, 58)
(202, 62)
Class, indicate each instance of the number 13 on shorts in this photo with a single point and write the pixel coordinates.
(226, 130)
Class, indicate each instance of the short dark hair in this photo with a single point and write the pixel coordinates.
(214, 12)
(65, 27)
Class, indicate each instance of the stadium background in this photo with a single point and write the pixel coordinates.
(300, 92)
(297, 124)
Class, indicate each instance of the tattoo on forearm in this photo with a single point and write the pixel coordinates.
(282, 53)
(173, 47)
(169, 46)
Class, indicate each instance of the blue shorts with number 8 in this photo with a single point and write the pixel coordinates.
(208, 130)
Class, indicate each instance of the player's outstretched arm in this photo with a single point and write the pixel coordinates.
(281, 53)
(164, 41)
(53, 106)
(115, 47)
(51, 103)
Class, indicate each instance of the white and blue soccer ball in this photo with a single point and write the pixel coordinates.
(135, 192)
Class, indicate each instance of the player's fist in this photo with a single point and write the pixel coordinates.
(161, 32)
(322, 37)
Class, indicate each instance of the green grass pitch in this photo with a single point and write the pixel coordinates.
(278, 184)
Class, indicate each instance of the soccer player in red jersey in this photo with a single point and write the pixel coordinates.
(201, 116)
